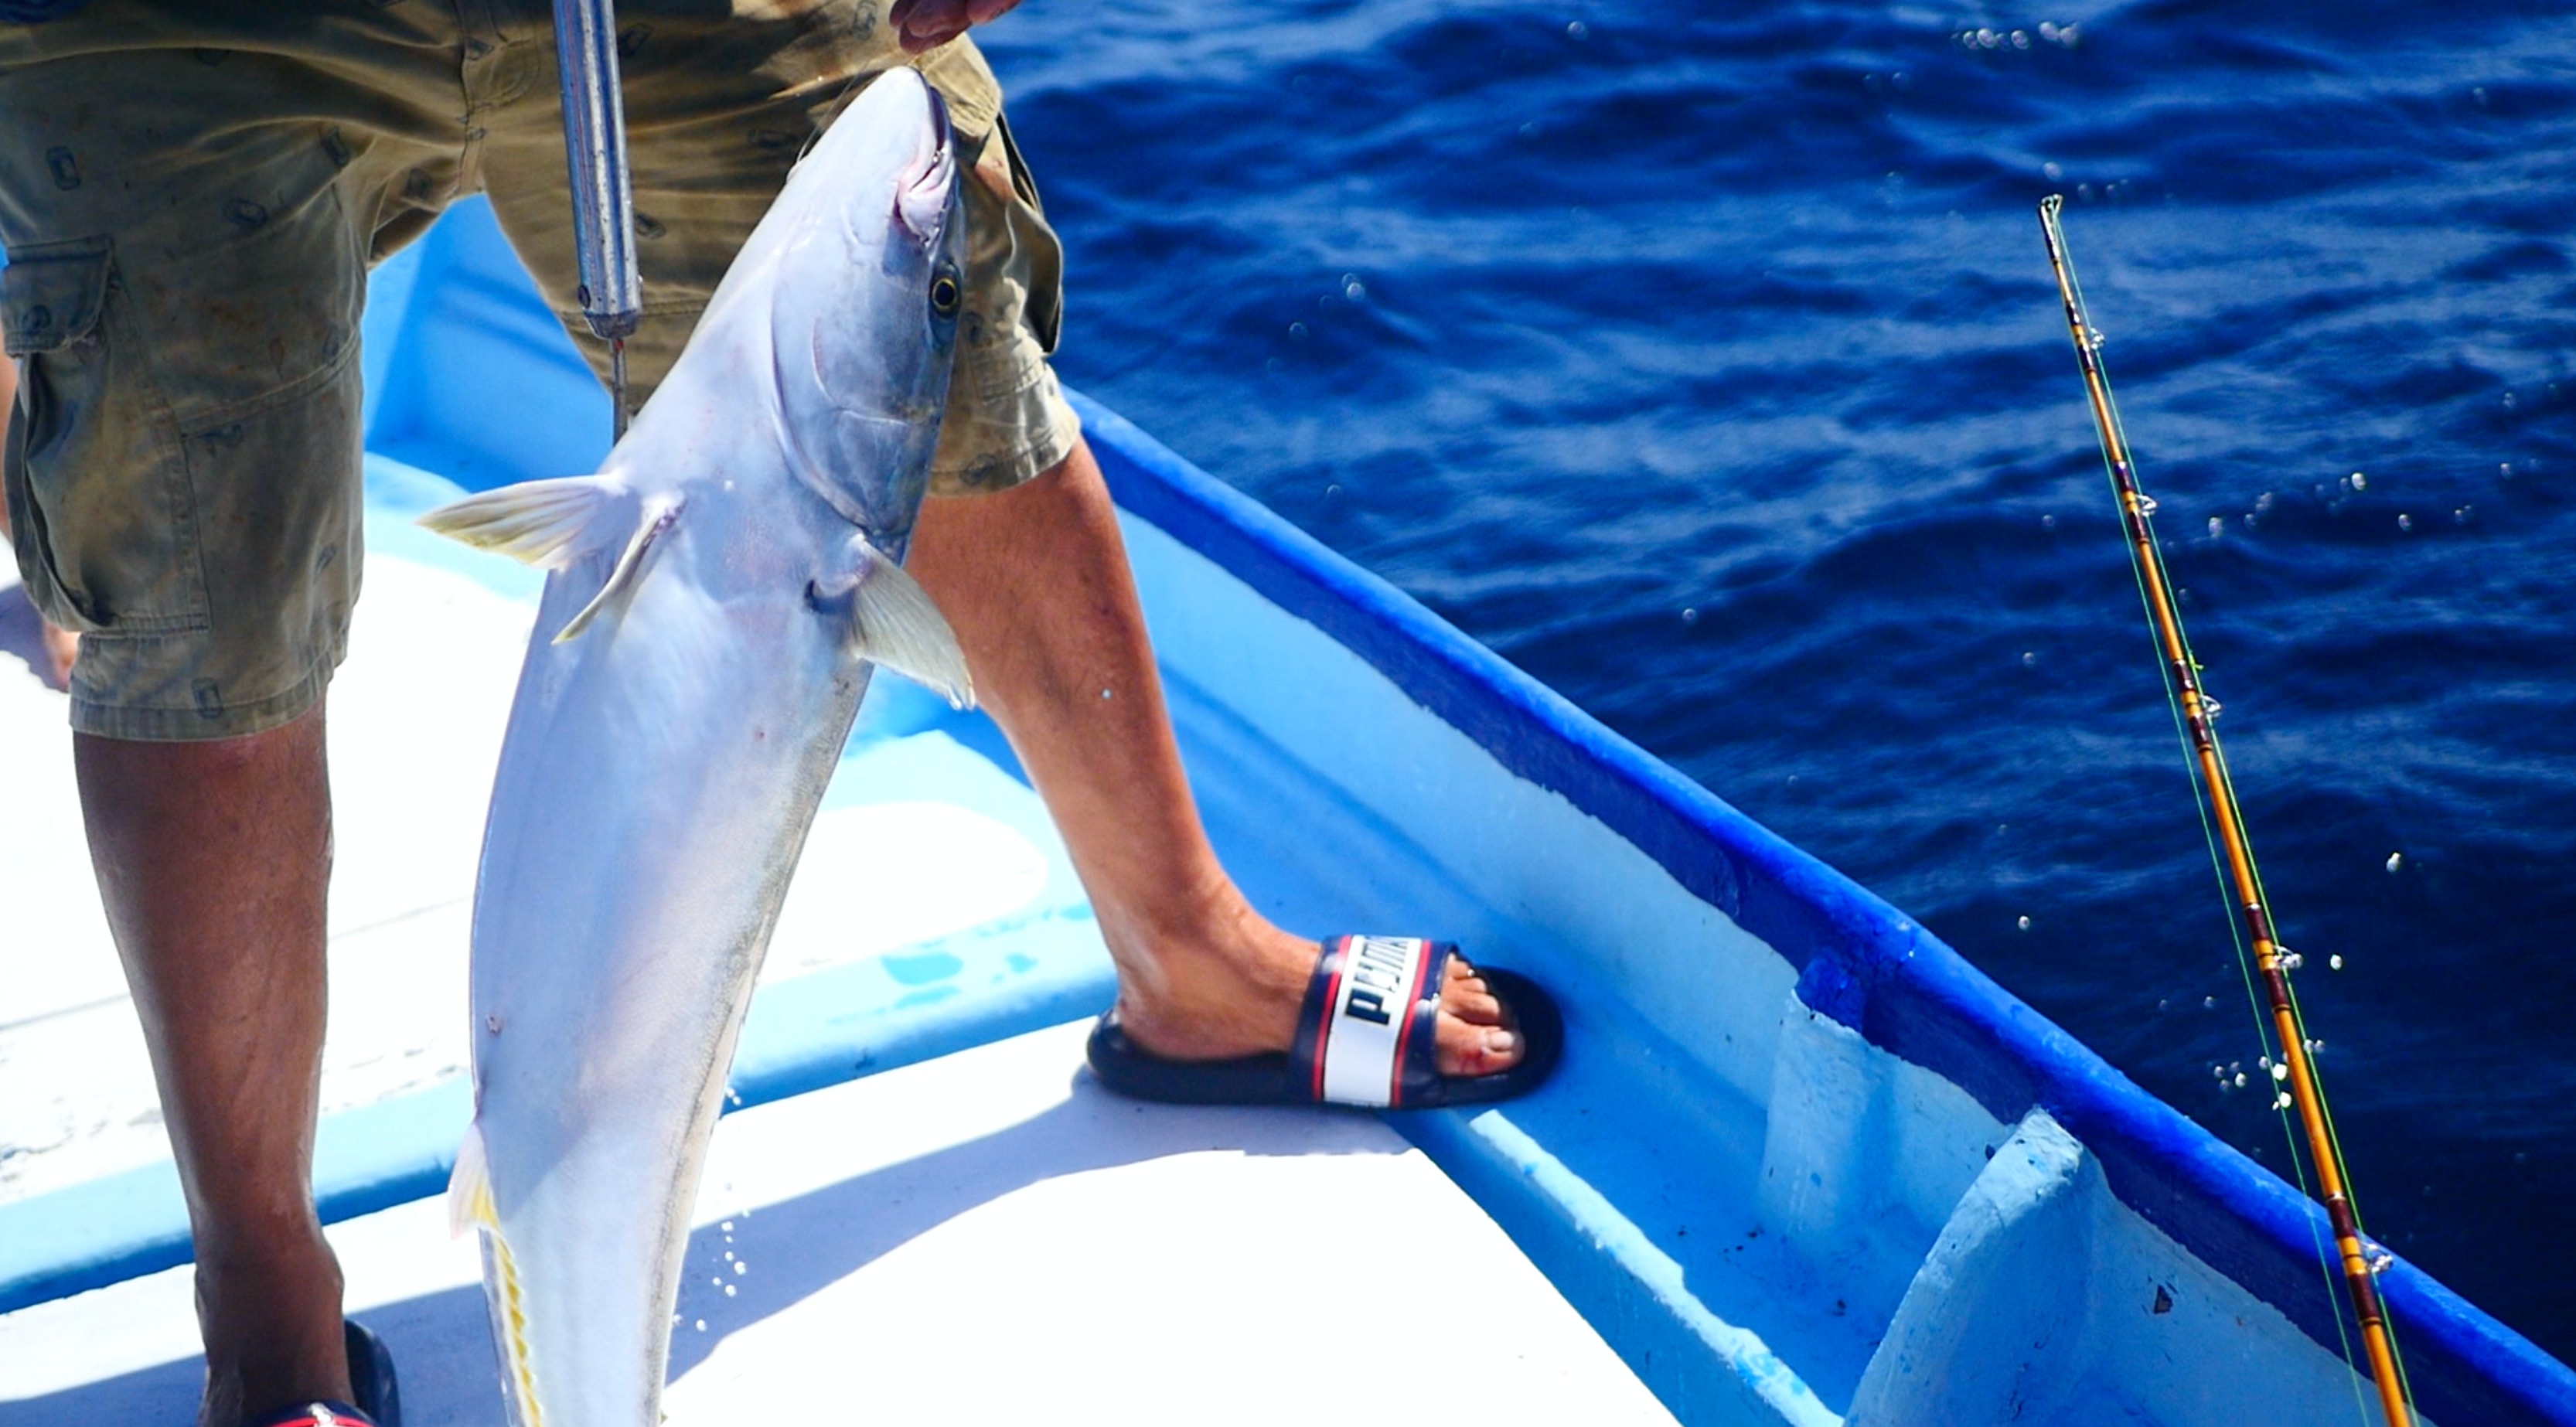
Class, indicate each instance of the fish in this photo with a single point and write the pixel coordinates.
(718, 594)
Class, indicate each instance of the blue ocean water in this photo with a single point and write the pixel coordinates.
(1704, 360)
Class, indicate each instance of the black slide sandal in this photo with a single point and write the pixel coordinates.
(1364, 1037)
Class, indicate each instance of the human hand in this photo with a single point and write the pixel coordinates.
(928, 24)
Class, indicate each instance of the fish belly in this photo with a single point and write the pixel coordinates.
(656, 786)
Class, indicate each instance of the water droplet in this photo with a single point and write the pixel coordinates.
(2405, 521)
(2023, 923)
(2240, 1080)
(2281, 1101)
(491, 1023)
(1354, 291)
(1104, 693)
(2508, 401)
(2048, 522)
(2217, 527)
(729, 1290)
(1297, 330)
(2209, 1003)
(702, 1325)
(2021, 39)
(2053, 171)
(2360, 481)
(2028, 658)
(738, 1267)
(2396, 860)
(1578, 30)
(2460, 516)
(2280, 1072)
(726, 1226)
(2505, 469)
(2333, 963)
(1690, 616)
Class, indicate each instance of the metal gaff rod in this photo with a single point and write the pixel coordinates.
(603, 198)
(2197, 711)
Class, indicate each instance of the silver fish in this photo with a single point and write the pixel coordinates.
(719, 592)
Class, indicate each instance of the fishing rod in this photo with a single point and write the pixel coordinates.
(2272, 961)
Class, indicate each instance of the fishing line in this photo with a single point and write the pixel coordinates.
(2201, 804)
(2222, 820)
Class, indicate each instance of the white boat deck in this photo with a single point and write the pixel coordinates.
(982, 1237)
(987, 1237)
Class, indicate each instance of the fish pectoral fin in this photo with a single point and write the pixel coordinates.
(469, 1188)
(541, 523)
(893, 624)
(654, 517)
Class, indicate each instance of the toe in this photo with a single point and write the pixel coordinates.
(1468, 997)
(1468, 1050)
(1476, 1034)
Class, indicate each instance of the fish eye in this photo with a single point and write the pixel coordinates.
(943, 295)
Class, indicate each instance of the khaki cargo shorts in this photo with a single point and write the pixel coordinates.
(191, 194)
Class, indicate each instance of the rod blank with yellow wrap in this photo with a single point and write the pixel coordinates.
(2272, 962)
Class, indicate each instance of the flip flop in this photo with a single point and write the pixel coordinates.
(1365, 1036)
(371, 1381)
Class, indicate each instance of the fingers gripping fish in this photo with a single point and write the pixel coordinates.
(718, 594)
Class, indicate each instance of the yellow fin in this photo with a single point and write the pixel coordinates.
(469, 1188)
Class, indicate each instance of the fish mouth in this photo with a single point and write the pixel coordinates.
(921, 196)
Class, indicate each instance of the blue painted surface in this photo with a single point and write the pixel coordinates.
(1889, 978)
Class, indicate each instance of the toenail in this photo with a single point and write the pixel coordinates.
(1502, 1042)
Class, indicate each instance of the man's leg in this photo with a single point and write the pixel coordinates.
(213, 859)
(1035, 581)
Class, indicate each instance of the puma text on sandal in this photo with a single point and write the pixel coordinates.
(1365, 1036)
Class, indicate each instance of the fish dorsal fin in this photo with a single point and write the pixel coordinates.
(469, 1188)
(892, 622)
(654, 518)
(541, 523)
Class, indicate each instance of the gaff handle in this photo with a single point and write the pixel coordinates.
(603, 198)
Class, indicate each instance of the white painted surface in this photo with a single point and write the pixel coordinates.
(984, 1238)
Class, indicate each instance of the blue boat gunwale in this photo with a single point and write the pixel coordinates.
(1869, 966)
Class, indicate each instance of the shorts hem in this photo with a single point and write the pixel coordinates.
(198, 724)
(1042, 451)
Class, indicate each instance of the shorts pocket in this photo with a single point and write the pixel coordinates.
(106, 530)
